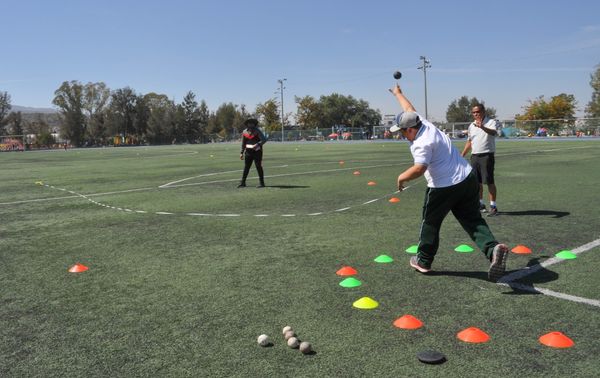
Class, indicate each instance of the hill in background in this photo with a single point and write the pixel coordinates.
(28, 110)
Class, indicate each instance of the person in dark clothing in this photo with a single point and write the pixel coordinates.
(252, 151)
(451, 187)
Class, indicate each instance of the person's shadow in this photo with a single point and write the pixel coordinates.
(540, 275)
(554, 214)
(288, 186)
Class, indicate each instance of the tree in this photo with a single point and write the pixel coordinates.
(121, 112)
(95, 99)
(460, 110)
(5, 107)
(190, 130)
(203, 121)
(559, 107)
(15, 121)
(308, 112)
(142, 115)
(269, 114)
(40, 128)
(335, 110)
(69, 99)
(227, 120)
(555, 112)
(593, 107)
(161, 122)
(363, 116)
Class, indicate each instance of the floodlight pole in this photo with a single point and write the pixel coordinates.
(425, 65)
(281, 88)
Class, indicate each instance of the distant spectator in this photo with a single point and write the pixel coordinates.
(252, 151)
(482, 141)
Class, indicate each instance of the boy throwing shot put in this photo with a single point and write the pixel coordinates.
(451, 187)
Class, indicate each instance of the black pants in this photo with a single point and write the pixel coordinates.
(463, 201)
(256, 157)
(483, 165)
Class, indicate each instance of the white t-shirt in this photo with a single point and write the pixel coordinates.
(482, 142)
(433, 148)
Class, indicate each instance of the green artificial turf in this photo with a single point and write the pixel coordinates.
(187, 293)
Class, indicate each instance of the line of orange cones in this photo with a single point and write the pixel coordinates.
(553, 339)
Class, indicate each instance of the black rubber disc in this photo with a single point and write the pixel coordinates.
(431, 357)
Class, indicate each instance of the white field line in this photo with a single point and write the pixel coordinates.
(539, 290)
(509, 279)
(169, 185)
(204, 175)
(554, 260)
(207, 214)
(76, 195)
(342, 209)
(371, 201)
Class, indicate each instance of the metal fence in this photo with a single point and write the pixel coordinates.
(293, 134)
(577, 127)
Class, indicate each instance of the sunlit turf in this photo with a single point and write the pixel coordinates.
(187, 293)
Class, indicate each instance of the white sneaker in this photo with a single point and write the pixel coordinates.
(498, 265)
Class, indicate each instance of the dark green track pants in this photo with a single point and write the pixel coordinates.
(463, 200)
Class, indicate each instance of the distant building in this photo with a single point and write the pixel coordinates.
(389, 120)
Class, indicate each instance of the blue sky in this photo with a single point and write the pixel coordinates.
(503, 52)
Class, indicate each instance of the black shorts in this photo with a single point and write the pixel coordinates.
(483, 165)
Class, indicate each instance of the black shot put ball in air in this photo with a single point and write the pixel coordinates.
(397, 75)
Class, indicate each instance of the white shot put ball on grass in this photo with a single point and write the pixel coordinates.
(263, 340)
(286, 328)
(305, 347)
(289, 334)
(293, 342)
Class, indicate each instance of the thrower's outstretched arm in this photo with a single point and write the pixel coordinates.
(406, 105)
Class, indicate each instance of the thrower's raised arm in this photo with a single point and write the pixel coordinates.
(406, 105)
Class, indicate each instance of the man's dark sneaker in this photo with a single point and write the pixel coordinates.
(482, 208)
(498, 265)
(260, 185)
(414, 262)
(493, 211)
(242, 185)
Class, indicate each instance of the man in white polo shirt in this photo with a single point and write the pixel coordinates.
(451, 186)
(482, 143)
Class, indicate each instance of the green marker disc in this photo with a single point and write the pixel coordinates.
(412, 249)
(567, 255)
(383, 259)
(463, 248)
(350, 282)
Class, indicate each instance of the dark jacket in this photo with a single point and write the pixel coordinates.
(253, 139)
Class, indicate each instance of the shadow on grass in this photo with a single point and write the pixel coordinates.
(519, 287)
(476, 275)
(288, 186)
(539, 276)
(554, 214)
